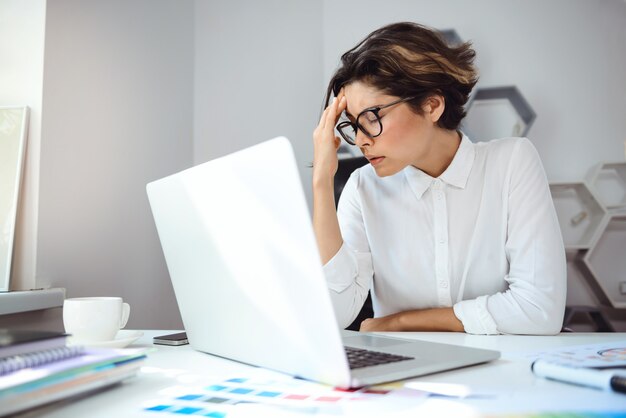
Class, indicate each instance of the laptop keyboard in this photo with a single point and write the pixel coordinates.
(358, 357)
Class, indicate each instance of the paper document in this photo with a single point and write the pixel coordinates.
(604, 355)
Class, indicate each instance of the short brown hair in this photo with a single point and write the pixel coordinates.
(410, 60)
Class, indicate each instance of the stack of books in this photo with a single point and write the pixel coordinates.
(37, 367)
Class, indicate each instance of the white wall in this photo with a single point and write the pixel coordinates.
(258, 75)
(22, 27)
(118, 113)
(566, 56)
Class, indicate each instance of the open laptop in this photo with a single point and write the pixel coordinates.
(242, 256)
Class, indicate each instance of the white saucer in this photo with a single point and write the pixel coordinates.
(122, 339)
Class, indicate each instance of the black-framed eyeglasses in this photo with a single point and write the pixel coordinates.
(368, 122)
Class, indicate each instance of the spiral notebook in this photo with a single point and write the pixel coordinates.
(14, 342)
(38, 358)
(94, 369)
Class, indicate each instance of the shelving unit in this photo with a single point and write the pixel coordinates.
(580, 214)
(606, 259)
(608, 181)
(497, 112)
(345, 151)
(451, 37)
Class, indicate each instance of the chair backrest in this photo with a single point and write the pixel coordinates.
(346, 167)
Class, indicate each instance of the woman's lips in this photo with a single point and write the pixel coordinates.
(376, 160)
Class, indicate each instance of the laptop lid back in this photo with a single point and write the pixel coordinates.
(244, 264)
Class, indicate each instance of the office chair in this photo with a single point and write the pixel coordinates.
(346, 167)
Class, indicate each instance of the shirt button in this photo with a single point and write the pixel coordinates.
(443, 284)
(442, 240)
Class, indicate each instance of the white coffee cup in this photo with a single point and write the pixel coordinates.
(94, 319)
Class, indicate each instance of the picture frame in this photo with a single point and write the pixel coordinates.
(13, 137)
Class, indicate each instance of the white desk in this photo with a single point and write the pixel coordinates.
(511, 377)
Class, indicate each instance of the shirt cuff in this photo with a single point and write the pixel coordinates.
(341, 270)
(475, 316)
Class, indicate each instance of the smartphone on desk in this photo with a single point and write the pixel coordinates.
(179, 338)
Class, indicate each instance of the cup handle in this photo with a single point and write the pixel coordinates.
(125, 313)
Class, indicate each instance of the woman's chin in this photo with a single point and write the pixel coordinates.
(386, 170)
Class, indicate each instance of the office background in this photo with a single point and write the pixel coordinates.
(125, 92)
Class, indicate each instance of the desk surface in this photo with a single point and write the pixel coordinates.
(509, 376)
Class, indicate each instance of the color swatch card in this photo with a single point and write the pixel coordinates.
(280, 394)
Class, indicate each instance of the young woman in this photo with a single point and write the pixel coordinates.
(449, 235)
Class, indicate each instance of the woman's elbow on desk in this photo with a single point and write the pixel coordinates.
(533, 320)
(529, 308)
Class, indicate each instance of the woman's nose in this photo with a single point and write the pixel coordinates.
(361, 140)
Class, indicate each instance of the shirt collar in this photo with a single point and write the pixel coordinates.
(456, 174)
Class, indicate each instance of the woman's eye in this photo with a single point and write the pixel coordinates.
(370, 117)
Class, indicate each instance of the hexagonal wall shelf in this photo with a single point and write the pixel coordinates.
(580, 286)
(606, 260)
(579, 212)
(497, 112)
(451, 37)
(608, 181)
(347, 151)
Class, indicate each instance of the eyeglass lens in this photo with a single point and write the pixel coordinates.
(368, 122)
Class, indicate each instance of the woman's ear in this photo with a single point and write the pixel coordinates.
(434, 107)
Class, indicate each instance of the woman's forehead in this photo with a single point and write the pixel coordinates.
(360, 96)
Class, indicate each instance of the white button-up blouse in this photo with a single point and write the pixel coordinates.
(482, 238)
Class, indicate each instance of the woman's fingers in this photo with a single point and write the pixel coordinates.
(334, 111)
(325, 140)
(322, 122)
(330, 115)
(331, 111)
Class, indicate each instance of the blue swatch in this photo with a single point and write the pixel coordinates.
(187, 410)
(215, 414)
(158, 408)
(216, 388)
(268, 394)
(241, 391)
(237, 380)
(190, 397)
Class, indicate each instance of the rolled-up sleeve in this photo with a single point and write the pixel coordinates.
(349, 273)
(534, 302)
(475, 316)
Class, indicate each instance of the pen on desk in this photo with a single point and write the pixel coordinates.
(582, 376)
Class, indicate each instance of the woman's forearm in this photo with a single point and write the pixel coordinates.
(325, 222)
(435, 319)
(325, 165)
